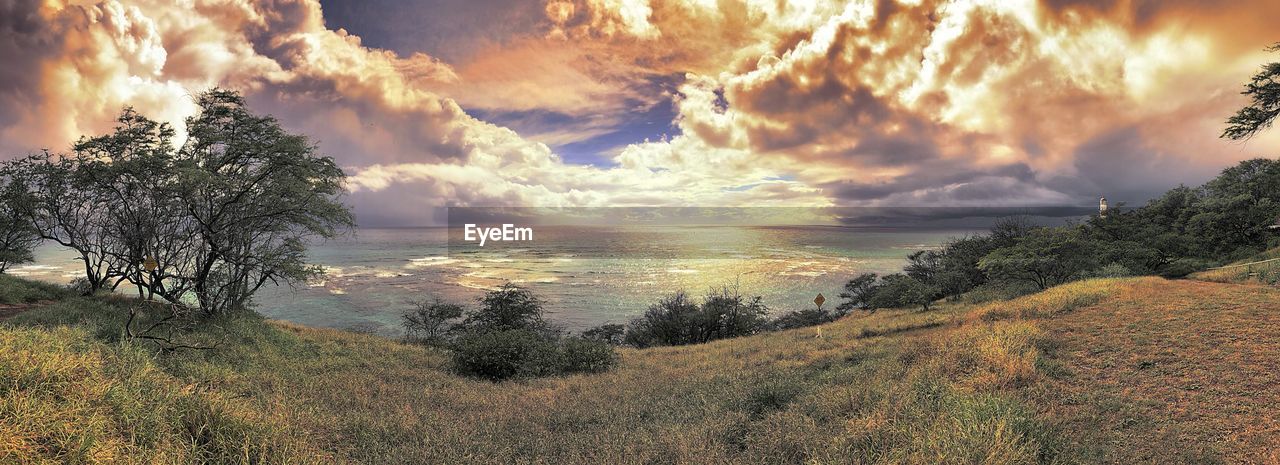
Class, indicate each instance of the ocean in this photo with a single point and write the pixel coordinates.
(585, 278)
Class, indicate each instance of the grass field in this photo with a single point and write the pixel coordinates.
(1262, 268)
(1136, 370)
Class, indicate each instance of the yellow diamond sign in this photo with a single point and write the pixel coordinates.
(819, 300)
(150, 264)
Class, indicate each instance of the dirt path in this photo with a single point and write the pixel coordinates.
(1173, 372)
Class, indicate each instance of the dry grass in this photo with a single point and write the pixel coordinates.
(782, 397)
(1050, 302)
(1056, 377)
(66, 398)
(1171, 372)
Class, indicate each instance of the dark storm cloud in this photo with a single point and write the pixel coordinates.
(26, 40)
(453, 30)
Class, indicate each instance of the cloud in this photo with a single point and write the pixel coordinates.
(923, 102)
(943, 101)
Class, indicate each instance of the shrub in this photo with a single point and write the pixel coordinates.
(898, 290)
(998, 290)
(523, 353)
(579, 355)
(507, 307)
(729, 314)
(16, 290)
(499, 355)
(507, 338)
(857, 292)
(611, 333)
(802, 318)
(675, 320)
(1184, 266)
(428, 322)
(1114, 270)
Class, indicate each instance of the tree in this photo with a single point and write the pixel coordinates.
(674, 320)
(62, 205)
(18, 237)
(231, 210)
(429, 320)
(857, 293)
(132, 171)
(959, 265)
(1046, 257)
(256, 195)
(729, 314)
(899, 290)
(507, 307)
(1264, 92)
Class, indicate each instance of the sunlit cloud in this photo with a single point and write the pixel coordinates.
(771, 103)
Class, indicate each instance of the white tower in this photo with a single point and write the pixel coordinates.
(1102, 206)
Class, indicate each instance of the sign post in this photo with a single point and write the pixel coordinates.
(819, 300)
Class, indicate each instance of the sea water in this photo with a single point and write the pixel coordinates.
(586, 279)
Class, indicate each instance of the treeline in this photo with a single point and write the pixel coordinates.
(204, 224)
(1185, 230)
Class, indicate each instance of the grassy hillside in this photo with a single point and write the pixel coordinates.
(1109, 371)
(1261, 268)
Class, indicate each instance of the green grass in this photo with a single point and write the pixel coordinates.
(952, 385)
(20, 291)
(1255, 269)
(68, 398)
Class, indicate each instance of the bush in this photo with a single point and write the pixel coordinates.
(998, 290)
(611, 333)
(1114, 270)
(507, 338)
(857, 292)
(499, 355)
(898, 290)
(507, 307)
(1184, 266)
(17, 291)
(801, 319)
(523, 353)
(579, 355)
(428, 322)
(675, 320)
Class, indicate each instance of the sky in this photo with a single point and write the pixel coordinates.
(702, 103)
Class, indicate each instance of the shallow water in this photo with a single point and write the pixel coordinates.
(586, 279)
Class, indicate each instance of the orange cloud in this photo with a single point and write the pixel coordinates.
(781, 103)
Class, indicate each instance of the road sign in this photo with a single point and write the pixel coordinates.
(150, 264)
(819, 300)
